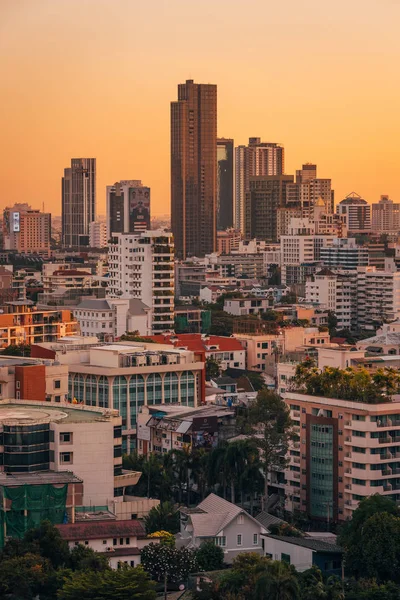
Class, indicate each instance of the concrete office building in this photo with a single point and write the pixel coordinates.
(194, 169)
(225, 187)
(98, 234)
(26, 231)
(130, 375)
(141, 266)
(256, 159)
(346, 451)
(78, 201)
(128, 207)
(386, 216)
(356, 213)
(344, 254)
(265, 195)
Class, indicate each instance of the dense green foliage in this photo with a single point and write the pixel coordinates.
(357, 385)
(17, 350)
(163, 561)
(125, 583)
(41, 565)
(210, 557)
(163, 517)
(372, 540)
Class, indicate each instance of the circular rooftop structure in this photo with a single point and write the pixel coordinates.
(24, 415)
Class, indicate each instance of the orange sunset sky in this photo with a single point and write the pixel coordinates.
(95, 78)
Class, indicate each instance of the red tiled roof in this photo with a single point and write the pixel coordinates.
(101, 529)
(338, 340)
(196, 343)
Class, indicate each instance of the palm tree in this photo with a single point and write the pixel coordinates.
(277, 582)
(199, 470)
(182, 458)
(217, 469)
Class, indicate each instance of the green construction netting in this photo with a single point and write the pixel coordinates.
(31, 504)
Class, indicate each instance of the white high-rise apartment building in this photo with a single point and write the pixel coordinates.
(386, 216)
(97, 234)
(141, 265)
(258, 158)
(356, 213)
(335, 292)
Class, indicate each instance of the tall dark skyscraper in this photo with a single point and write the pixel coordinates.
(225, 153)
(78, 201)
(194, 169)
(265, 196)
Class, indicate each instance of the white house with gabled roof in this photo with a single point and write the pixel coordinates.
(224, 523)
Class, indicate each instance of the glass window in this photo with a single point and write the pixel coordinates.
(66, 457)
(154, 389)
(255, 539)
(136, 396)
(220, 541)
(103, 391)
(239, 539)
(187, 388)
(120, 393)
(91, 390)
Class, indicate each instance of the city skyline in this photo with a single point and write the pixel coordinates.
(334, 99)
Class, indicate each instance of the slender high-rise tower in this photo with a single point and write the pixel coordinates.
(194, 169)
(225, 152)
(78, 201)
(257, 159)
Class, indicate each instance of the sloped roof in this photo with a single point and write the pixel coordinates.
(266, 519)
(311, 544)
(383, 338)
(218, 514)
(94, 304)
(101, 529)
(137, 307)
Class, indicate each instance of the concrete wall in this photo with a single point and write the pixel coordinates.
(301, 558)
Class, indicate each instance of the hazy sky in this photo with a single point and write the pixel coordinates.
(95, 78)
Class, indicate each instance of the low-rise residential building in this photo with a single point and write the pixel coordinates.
(22, 323)
(33, 379)
(246, 306)
(192, 319)
(305, 553)
(381, 344)
(224, 523)
(167, 428)
(121, 542)
(345, 452)
(228, 240)
(228, 351)
(109, 318)
(263, 350)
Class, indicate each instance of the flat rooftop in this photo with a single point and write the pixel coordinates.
(44, 477)
(20, 412)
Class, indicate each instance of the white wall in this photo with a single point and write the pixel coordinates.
(301, 558)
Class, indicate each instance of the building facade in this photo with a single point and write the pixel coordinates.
(194, 169)
(265, 195)
(346, 451)
(109, 318)
(356, 213)
(26, 231)
(130, 375)
(256, 159)
(98, 234)
(128, 207)
(141, 266)
(225, 188)
(385, 216)
(78, 201)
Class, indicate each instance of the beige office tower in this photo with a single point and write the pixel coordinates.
(386, 216)
(26, 230)
(194, 169)
(309, 189)
(256, 159)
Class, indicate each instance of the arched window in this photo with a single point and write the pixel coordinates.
(91, 390)
(171, 388)
(120, 393)
(187, 388)
(136, 396)
(103, 392)
(79, 388)
(154, 389)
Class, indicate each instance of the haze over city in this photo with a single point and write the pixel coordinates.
(96, 78)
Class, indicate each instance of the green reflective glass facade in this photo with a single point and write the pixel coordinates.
(26, 448)
(321, 470)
